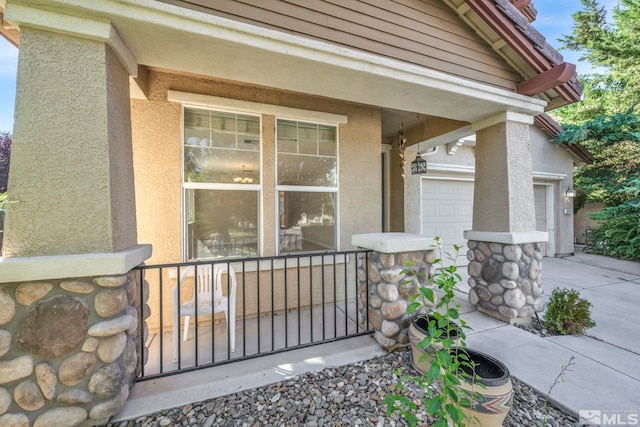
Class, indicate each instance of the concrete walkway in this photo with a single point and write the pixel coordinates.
(605, 375)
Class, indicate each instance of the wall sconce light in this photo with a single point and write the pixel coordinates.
(570, 192)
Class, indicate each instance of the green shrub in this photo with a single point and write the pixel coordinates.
(567, 313)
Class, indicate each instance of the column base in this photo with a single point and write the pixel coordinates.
(524, 321)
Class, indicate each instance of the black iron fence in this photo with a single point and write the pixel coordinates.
(203, 314)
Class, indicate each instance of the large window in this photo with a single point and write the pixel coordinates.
(307, 164)
(221, 181)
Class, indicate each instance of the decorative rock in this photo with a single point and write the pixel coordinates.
(27, 293)
(132, 291)
(111, 407)
(472, 282)
(384, 341)
(536, 291)
(496, 288)
(389, 329)
(510, 270)
(430, 256)
(526, 311)
(471, 244)
(110, 302)
(74, 396)
(534, 269)
(538, 305)
(107, 381)
(514, 298)
(7, 307)
(483, 293)
(375, 301)
(130, 357)
(76, 367)
(111, 281)
(491, 271)
(54, 327)
(487, 305)
(112, 347)
(61, 417)
(473, 297)
(374, 274)
(77, 286)
(392, 276)
(498, 258)
(497, 300)
(375, 318)
(496, 248)
(11, 370)
(111, 327)
(470, 255)
(528, 249)
(27, 395)
(388, 292)
(508, 312)
(5, 400)
(362, 276)
(508, 284)
(413, 259)
(407, 290)
(14, 420)
(90, 345)
(479, 256)
(5, 342)
(475, 268)
(47, 380)
(529, 300)
(512, 253)
(393, 310)
(485, 248)
(525, 286)
(538, 255)
(387, 260)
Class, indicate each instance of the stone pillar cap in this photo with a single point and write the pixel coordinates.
(393, 242)
(508, 238)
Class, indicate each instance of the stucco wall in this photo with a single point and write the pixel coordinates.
(157, 158)
(550, 158)
(582, 221)
(70, 174)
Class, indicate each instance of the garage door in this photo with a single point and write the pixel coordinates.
(447, 211)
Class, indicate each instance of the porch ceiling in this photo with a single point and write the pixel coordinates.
(161, 35)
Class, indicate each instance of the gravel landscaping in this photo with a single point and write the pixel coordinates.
(338, 396)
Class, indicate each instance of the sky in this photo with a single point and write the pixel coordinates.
(553, 21)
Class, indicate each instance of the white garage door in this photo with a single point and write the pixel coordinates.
(447, 211)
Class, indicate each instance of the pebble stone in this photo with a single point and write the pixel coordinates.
(350, 395)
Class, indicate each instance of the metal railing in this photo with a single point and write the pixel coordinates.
(280, 303)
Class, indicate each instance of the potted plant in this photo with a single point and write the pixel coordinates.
(463, 387)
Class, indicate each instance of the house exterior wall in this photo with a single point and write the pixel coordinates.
(582, 221)
(422, 32)
(157, 158)
(547, 157)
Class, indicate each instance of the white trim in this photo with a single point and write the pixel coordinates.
(236, 105)
(215, 186)
(67, 266)
(447, 178)
(507, 116)
(306, 189)
(509, 238)
(21, 15)
(445, 167)
(549, 175)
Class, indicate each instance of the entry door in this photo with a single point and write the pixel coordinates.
(447, 211)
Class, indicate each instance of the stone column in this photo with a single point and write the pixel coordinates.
(72, 308)
(384, 291)
(504, 252)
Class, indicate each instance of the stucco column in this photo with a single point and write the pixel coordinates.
(72, 305)
(71, 162)
(504, 252)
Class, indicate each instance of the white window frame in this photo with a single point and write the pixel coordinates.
(185, 186)
(305, 188)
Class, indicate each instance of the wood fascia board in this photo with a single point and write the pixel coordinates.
(546, 80)
(529, 47)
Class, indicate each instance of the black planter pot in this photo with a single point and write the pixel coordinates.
(418, 330)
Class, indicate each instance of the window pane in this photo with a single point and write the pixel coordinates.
(216, 165)
(306, 170)
(221, 223)
(196, 127)
(308, 138)
(307, 221)
(327, 140)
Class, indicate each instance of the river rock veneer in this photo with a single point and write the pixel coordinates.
(506, 279)
(69, 349)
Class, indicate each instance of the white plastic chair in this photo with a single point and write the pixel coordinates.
(210, 300)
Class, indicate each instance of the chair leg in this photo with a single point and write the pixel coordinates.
(186, 328)
(231, 324)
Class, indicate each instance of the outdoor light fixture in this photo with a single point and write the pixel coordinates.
(570, 192)
(419, 165)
